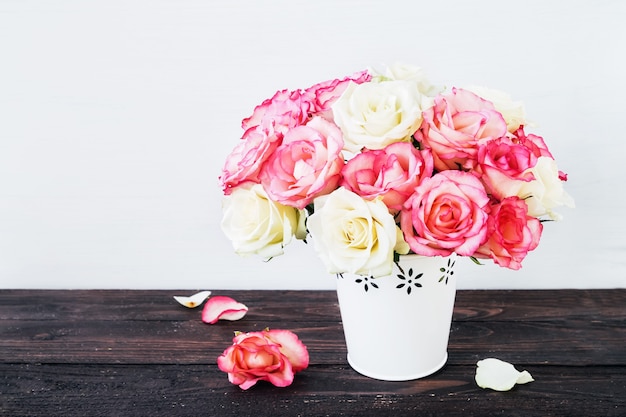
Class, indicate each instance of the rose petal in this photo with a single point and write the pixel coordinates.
(291, 347)
(499, 375)
(193, 300)
(222, 308)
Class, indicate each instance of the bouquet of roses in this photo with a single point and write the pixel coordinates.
(380, 164)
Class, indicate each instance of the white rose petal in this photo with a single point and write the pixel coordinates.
(374, 115)
(257, 225)
(499, 375)
(193, 300)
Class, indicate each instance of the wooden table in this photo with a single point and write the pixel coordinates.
(139, 353)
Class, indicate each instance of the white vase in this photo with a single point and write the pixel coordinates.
(397, 327)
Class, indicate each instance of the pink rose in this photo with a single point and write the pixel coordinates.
(324, 94)
(270, 355)
(455, 125)
(245, 161)
(505, 163)
(447, 213)
(392, 173)
(512, 233)
(285, 110)
(537, 145)
(307, 164)
(533, 142)
(502, 164)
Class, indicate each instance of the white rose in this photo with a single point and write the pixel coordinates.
(374, 115)
(546, 191)
(353, 235)
(257, 225)
(512, 111)
(414, 74)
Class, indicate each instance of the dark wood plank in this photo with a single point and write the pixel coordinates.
(174, 390)
(505, 305)
(193, 342)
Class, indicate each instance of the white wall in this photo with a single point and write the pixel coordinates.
(116, 116)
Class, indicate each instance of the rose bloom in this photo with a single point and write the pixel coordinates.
(512, 233)
(257, 225)
(545, 192)
(245, 161)
(270, 355)
(285, 110)
(454, 127)
(533, 142)
(376, 114)
(446, 214)
(323, 95)
(391, 173)
(503, 164)
(412, 73)
(512, 111)
(354, 235)
(307, 163)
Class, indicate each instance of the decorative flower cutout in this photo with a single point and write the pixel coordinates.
(499, 375)
(193, 301)
(448, 270)
(223, 308)
(408, 280)
(367, 282)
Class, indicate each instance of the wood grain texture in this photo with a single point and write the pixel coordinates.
(112, 353)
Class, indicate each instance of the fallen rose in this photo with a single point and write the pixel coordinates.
(223, 308)
(270, 355)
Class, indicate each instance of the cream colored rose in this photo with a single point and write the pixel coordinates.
(375, 114)
(257, 225)
(354, 235)
(414, 74)
(546, 191)
(512, 111)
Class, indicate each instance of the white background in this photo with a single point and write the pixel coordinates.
(116, 117)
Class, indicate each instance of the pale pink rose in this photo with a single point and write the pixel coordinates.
(446, 214)
(285, 110)
(270, 355)
(307, 164)
(511, 232)
(324, 94)
(502, 164)
(506, 163)
(454, 127)
(245, 161)
(391, 173)
(533, 142)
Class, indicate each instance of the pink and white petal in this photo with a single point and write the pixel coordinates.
(283, 378)
(223, 308)
(291, 347)
(193, 301)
